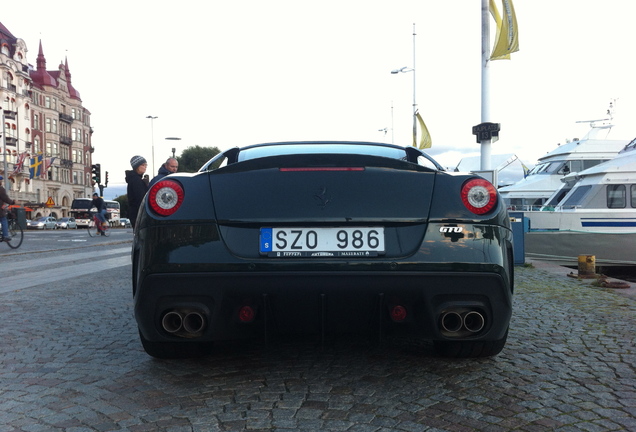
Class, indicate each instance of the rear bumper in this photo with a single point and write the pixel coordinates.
(323, 302)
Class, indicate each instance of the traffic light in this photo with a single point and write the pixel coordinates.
(96, 171)
(106, 179)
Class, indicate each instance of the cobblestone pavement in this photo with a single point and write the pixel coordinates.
(71, 361)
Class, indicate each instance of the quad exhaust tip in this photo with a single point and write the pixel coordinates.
(185, 323)
(462, 321)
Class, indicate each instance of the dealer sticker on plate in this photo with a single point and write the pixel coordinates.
(322, 242)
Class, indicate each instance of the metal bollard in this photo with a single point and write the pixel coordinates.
(587, 266)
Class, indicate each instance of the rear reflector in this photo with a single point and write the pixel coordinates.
(322, 169)
(398, 313)
(246, 314)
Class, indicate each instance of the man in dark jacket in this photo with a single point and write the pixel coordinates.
(5, 201)
(98, 203)
(171, 166)
(137, 188)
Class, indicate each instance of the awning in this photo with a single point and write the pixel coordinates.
(17, 206)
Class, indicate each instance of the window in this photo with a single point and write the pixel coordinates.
(558, 197)
(576, 196)
(616, 196)
(51, 149)
(36, 121)
(590, 163)
(47, 101)
(51, 125)
(632, 193)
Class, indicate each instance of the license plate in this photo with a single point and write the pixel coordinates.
(322, 242)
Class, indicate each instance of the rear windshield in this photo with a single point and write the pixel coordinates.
(364, 149)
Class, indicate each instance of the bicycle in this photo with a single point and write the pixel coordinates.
(96, 227)
(15, 232)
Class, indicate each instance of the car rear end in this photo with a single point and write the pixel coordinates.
(321, 244)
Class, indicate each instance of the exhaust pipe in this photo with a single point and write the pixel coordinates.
(474, 321)
(193, 322)
(172, 322)
(452, 322)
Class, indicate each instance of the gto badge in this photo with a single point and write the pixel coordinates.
(450, 229)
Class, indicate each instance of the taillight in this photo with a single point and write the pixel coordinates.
(479, 196)
(165, 197)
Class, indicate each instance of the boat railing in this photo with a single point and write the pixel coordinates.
(527, 208)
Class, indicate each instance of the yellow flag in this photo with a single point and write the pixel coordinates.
(507, 35)
(425, 138)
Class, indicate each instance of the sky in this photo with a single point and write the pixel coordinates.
(225, 74)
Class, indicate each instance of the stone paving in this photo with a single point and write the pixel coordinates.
(71, 361)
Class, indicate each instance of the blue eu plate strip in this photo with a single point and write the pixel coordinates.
(266, 239)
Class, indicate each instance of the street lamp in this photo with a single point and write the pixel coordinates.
(173, 139)
(406, 69)
(152, 136)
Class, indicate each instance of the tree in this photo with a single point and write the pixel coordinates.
(193, 158)
(123, 205)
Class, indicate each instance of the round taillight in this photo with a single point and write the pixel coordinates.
(398, 313)
(246, 314)
(479, 196)
(165, 197)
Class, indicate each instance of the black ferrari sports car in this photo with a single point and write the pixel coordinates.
(320, 239)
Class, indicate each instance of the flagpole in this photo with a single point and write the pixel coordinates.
(485, 82)
(414, 93)
(7, 183)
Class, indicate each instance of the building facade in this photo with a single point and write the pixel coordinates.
(46, 136)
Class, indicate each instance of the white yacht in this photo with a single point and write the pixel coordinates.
(594, 213)
(533, 191)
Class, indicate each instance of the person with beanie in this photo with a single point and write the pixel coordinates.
(137, 188)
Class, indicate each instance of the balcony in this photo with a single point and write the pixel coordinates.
(66, 140)
(66, 118)
(11, 141)
(10, 115)
(66, 163)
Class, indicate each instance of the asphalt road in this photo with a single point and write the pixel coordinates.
(70, 360)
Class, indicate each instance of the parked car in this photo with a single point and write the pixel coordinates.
(320, 239)
(43, 223)
(125, 222)
(67, 223)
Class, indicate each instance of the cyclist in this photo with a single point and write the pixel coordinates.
(99, 204)
(5, 201)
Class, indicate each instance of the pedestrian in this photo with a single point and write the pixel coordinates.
(169, 167)
(5, 202)
(137, 188)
